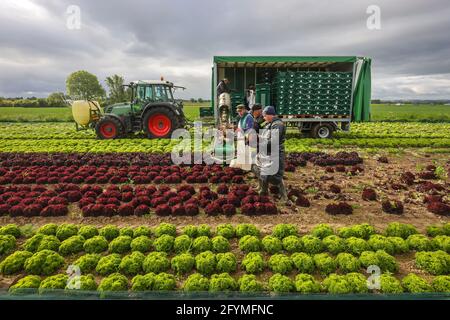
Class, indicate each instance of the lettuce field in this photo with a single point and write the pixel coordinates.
(129, 221)
(226, 258)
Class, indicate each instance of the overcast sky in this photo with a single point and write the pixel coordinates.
(144, 39)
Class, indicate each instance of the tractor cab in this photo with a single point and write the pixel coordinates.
(150, 91)
(152, 109)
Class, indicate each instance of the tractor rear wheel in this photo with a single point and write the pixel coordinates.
(108, 128)
(160, 122)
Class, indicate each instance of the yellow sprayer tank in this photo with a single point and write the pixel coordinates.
(84, 112)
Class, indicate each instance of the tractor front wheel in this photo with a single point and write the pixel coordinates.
(160, 123)
(108, 128)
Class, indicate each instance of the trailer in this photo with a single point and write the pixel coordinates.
(318, 95)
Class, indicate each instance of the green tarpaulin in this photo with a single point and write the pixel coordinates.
(361, 95)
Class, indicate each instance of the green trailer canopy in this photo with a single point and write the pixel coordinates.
(362, 88)
(279, 60)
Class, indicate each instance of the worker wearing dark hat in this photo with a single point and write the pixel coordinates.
(274, 127)
(258, 119)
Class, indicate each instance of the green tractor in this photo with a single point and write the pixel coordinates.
(152, 109)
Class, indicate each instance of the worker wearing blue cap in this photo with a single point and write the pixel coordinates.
(272, 124)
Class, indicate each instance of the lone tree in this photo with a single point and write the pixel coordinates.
(84, 85)
(117, 91)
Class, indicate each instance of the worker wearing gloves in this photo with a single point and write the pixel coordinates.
(271, 154)
(223, 92)
(222, 87)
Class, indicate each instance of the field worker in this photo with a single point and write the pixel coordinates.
(222, 87)
(250, 97)
(244, 131)
(273, 125)
(258, 118)
(258, 123)
(245, 119)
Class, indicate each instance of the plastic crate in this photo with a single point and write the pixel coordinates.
(312, 92)
(263, 94)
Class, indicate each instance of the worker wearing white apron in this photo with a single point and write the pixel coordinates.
(245, 121)
(250, 98)
(244, 129)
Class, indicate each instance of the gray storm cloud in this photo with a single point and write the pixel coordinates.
(146, 39)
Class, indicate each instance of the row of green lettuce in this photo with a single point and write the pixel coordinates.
(165, 146)
(47, 262)
(69, 239)
(350, 254)
(371, 130)
(64, 138)
(351, 283)
(364, 230)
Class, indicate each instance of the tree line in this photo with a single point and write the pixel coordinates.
(56, 99)
(80, 85)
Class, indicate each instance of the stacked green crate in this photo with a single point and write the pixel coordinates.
(237, 98)
(312, 93)
(262, 94)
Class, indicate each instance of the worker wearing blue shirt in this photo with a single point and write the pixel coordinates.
(245, 119)
(245, 133)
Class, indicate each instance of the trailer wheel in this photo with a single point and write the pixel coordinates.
(322, 131)
(160, 122)
(108, 128)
